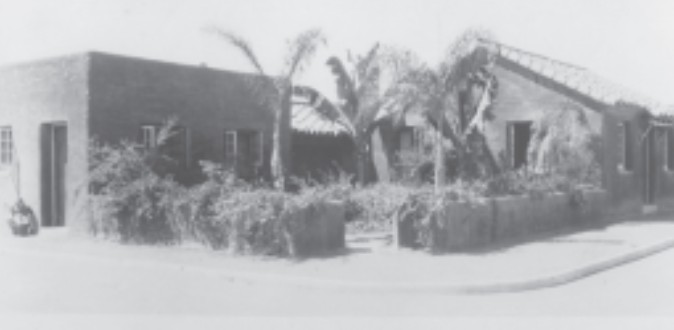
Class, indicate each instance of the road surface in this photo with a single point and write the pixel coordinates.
(35, 283)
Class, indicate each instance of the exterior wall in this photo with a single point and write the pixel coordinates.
(626, 188)
(523, 97)
(31, 94)
(317, 157)
(665, 177)
(127, 93)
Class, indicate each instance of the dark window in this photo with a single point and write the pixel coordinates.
(6, 146)
(244, 152)
(175, 145)
(626, 154)
(519, 135)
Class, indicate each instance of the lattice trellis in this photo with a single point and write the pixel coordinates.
(577, 78)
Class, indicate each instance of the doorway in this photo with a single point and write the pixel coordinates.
(54, 152)
(519, 134)
(650, 170)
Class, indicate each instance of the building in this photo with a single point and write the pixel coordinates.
(636, 146)
(51, 109)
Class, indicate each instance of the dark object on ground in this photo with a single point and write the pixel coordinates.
(23, 221)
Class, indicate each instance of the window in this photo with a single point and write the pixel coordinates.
(244, 152)
(230, 148)
(176, 146)
(519, 134)
(6, 146)
(669, 149)
(407, 141)
(411, 139)
(149, 136)
(626, 152)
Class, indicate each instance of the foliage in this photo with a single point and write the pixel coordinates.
(372, 208)
(300, 52)
(563, 143)
(130, 202)
(456, 97)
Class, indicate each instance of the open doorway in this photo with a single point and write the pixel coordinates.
(519, 135)
(54, 151)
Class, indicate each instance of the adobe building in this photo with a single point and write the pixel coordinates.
(637, 145)
(51, 109)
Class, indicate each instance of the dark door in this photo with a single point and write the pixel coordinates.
(650, 170)
(54, 145)
(519, 134)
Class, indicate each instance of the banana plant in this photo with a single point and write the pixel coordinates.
(299, 54)
(357, 82)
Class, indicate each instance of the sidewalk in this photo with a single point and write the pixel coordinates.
(371, 265)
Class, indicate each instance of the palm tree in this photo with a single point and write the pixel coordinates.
(299, 54)
(456, 97)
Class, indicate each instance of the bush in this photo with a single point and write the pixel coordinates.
(371, 208)
(131, 203)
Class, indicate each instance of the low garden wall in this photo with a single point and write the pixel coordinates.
(458, 226)
(317, 229)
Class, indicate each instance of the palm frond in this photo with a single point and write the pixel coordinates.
(241, 44)
(346, 90)
(464, 56)
(324, 106)
(302, 50)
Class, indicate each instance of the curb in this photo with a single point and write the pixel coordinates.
(369, 286)
(453, 288)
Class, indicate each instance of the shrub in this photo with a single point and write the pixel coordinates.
(132, 203)
(129, 201)
(372, 208)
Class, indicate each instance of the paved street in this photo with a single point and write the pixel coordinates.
(35, 283)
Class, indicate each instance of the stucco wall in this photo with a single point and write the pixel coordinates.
(46, 91)
(129, 92)
(319, 229)
(626, 188)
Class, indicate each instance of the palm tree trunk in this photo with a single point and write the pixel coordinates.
(280, 159)
(362, 158)
(439, 156)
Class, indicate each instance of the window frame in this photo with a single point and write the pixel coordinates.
(231, 151)
(230, 148)
(149, 140)
(152, 142)
(6, 146)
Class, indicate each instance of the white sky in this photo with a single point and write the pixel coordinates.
(631, 42)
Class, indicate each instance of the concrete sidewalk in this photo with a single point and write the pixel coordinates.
(369, 264)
